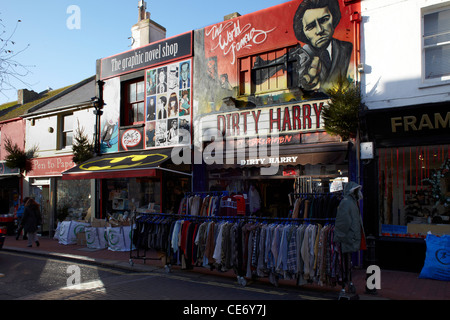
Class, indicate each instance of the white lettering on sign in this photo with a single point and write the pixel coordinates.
(271, 160)
(131, 138)
(305, 117)
(231, 38)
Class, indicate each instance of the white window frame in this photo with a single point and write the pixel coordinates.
(440, 80)
(63, 131)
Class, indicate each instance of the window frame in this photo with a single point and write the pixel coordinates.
(127, 113)
(64, 131)
(247, 88)
(442, 79)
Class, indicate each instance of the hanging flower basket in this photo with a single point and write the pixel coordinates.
(18, 158)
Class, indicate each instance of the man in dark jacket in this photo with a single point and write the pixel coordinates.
(31, 220)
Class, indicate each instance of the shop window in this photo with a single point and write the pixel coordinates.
(73, 199)
(436, 44)
(264, 72)
(134, 106)
(66, 131)
(414, 190)
(122, 196)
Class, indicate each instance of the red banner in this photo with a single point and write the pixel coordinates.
(50, 166)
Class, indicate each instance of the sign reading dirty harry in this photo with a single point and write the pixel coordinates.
(147, 56)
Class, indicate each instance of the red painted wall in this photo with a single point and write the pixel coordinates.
(15, 130)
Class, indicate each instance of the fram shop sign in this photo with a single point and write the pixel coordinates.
(52, 166)
(147, 56)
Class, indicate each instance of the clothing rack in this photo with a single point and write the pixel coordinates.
(138, 248)
(170, 221)
(210, 203)
(314, 204)
(207, 193)
(244, 218)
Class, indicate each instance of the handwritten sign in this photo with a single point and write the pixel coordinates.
(231, 38)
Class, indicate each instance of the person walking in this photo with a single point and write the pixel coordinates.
(31, 220)
(19, 214)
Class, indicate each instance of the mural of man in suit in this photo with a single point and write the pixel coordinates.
(322, 59)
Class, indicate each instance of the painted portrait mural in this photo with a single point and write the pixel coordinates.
(285, 53)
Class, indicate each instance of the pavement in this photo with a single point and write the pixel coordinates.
(395, 285)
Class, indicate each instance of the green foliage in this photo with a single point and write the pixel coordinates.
(341, 116)
(18, 158)
(82, 148)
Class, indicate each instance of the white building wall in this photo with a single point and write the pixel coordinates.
(49, 142)
(38, 134)
(391, 54)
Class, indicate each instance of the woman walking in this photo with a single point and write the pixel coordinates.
(31, 220)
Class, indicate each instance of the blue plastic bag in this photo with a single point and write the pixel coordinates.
(437, 258)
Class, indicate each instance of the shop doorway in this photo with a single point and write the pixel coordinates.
(41, 194)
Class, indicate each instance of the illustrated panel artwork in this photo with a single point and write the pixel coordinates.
(168, 105)
(109, 135)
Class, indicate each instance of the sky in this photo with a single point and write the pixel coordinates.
(62, 39)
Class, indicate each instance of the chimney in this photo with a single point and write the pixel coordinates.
(231, 16)
(145, 31)
(25, 96)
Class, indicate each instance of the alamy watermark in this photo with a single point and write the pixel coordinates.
(74, 278)
(264, 151)
(74, 20)
(373, 280)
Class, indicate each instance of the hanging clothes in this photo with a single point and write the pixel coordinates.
(252, 247)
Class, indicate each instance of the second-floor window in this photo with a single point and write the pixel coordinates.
(134, 106)
(265, 72)
(436, 44)
(67, 131)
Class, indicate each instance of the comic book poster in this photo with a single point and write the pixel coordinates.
(168, 105)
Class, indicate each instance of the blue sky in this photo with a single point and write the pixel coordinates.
(58, 56)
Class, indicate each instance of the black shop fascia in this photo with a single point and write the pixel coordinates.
(407, 181)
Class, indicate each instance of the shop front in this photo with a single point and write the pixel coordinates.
(411, 180)
(274, 154)
(134, 182)
(10, 195)
(145, 101)
(58, 199)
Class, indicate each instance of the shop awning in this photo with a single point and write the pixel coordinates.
(320, 153)
(121, 165)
